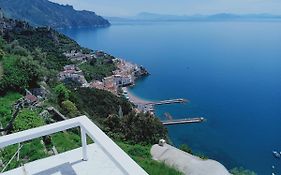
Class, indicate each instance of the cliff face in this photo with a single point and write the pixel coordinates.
(46, 13)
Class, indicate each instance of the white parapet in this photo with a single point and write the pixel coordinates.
(114, 153)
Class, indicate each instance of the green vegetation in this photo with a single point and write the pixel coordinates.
(30, 151)
(1, 67)
(51, 44)
(99, 104)
(103, 108)
(1, 70)
(142, 128)
(6, 103)
(62, 92)
(19, 72)
(65, 141)
(2, 53)
(98, 69)
(141, 154)
(69, 108)
(241, 171)
(27, 119)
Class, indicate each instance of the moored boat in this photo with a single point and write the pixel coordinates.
(276, 154)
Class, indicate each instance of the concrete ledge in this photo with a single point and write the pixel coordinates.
(187, 163)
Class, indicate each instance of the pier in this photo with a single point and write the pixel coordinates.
(183, 121)
(171, 101)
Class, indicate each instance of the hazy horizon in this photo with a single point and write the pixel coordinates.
(179, 7)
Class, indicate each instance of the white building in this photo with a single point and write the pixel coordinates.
(124, 80)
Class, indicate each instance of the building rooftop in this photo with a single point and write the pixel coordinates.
(103, 157)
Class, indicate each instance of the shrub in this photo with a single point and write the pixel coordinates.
(27, 119)
(2, 53)
(99, 103)
(6, 104)
(143, 128)
(62, 92)
(19, 73)
(69, 108)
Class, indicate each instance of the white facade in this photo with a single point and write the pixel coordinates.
(123, 80)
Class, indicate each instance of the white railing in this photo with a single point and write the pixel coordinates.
(87, 127)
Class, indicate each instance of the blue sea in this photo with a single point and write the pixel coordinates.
(230, 72)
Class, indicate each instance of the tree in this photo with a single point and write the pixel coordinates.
(2, 43)
(113, 122)
(62, 92)
(69, 108)
(2, 53)
(19, 73)
(27, 119)
(18, 50)
(99, 103)
(143, 128)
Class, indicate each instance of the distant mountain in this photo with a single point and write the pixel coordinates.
(46, 13)
(145, 16)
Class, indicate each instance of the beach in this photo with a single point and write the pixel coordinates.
(135, 99)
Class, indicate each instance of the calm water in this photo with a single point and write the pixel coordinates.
(230, 71)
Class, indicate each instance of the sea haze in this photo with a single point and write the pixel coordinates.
(230, 71)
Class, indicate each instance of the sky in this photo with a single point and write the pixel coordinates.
(175, 7)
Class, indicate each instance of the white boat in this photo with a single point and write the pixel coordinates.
(276, 154)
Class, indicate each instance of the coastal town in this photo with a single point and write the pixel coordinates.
(124, 76)
(126, 73)
(68, 109)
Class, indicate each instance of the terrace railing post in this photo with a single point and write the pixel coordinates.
(84, 144)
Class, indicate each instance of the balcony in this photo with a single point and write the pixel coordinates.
(101, 157)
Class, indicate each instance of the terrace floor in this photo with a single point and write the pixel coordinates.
(71, 163)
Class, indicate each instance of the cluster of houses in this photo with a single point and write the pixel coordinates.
(33, 96)
(79, 56)
(125, 68)
(72, 72)
(112, 83)
(123, 76)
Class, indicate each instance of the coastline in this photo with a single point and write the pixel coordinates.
(136, 99)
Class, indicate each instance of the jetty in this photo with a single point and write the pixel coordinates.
(183, 121)
(170, 101)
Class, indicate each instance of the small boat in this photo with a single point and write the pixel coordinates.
(276, 154)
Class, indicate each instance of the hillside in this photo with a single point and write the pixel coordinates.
(46, 13)
(1, 71)
(31, 58)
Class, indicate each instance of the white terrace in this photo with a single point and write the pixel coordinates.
(103, 157)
